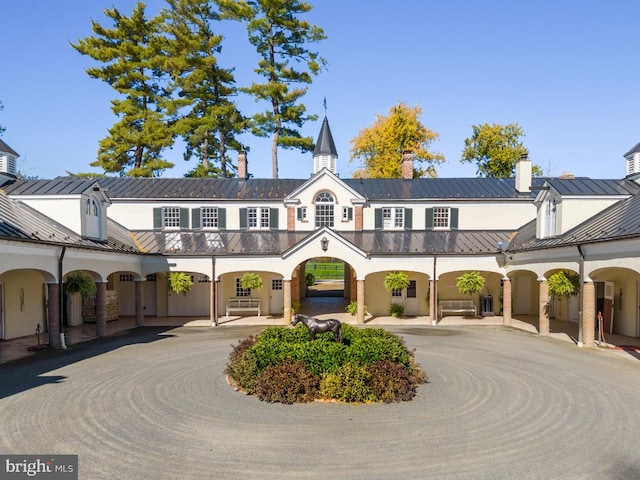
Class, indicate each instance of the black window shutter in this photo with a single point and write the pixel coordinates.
(157, 218)
(195, 217)
(350, 213)
(184, 218)
(222, 218)
(299, 211)
(408, 219)
(243, 218)
(453, 220)
(273, 219)
(378, 218)
(429, 219)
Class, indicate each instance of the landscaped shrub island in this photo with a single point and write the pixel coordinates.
(284, 365)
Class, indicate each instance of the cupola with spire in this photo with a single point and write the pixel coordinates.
(325, 154)
(633, 162)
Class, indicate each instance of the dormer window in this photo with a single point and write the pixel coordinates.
(325, 204)
(549, 227)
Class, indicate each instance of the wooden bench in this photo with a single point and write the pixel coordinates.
(457, 306)
(243, 304)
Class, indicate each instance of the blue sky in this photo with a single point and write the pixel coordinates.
(565, 70)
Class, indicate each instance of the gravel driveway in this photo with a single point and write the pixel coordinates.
(500, 404)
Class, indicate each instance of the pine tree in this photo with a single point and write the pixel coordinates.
(203, 88)
(280, 37)
(131, 60)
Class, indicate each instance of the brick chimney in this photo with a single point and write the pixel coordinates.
(242, 165)
(407, 165)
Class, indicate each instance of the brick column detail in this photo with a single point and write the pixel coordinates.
(360, 297)
(139, 303)
(432, 302)
(353, 287)
(358, 218)
(53, 312)
(286, 284)
(588, 314)
(543, 309)
(291, 219)
(506, 301)
(101, 309)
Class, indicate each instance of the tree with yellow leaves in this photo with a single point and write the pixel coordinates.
(380, 146)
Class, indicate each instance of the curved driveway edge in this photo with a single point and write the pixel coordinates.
(500, 404)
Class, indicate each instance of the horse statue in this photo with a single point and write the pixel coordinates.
(319, 326)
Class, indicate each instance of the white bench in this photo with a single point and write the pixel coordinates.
(243, 304)
(457, 306)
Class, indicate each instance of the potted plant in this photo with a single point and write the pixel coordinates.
(352, 308)
(251, 281)
(396, 310)
(470, 283)
(562, 284)
(180, 282)
(77, 283)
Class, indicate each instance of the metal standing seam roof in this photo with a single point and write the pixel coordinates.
(619, 221)
(589, 187)
(325, 145)
(275, 189)
(21, 222)
(276, 242)
(6, 148)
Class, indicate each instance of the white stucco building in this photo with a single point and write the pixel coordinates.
(127, 234)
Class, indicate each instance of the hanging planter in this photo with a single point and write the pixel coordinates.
(251, 281)
(396, 281)
(79, 283)
(470, 283)
(180, 282)
(563, 284)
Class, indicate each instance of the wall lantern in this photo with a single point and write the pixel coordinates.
(324, 244)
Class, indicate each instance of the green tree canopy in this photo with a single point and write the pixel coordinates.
(495, 149)
(380, 146)
(281, 38)
(203, 88)
(131, 63)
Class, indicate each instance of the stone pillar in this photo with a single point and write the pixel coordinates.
(139, 303)
(53, 312)
(360, 297)
(506, 301)
(286, 284)
(101, 309)
(433, 312)
(291, 219)
(588, 314)
(543, 309)
(358, 218)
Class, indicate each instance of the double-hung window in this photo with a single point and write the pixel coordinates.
(392, 218)
(209, 217)
(171, 217)
(258, 217)
(441, 218)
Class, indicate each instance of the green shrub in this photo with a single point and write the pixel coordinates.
(288, 382)
(287, 358)
(309, 279)
(396, 310)
(242, 367)
(349, 384)
(390, 382)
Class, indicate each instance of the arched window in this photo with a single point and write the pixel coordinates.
(324, 209)
(87, 210)
(95, 208)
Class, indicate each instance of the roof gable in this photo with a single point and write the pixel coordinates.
(324, 180)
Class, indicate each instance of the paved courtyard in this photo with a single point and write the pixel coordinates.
(501, 403)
